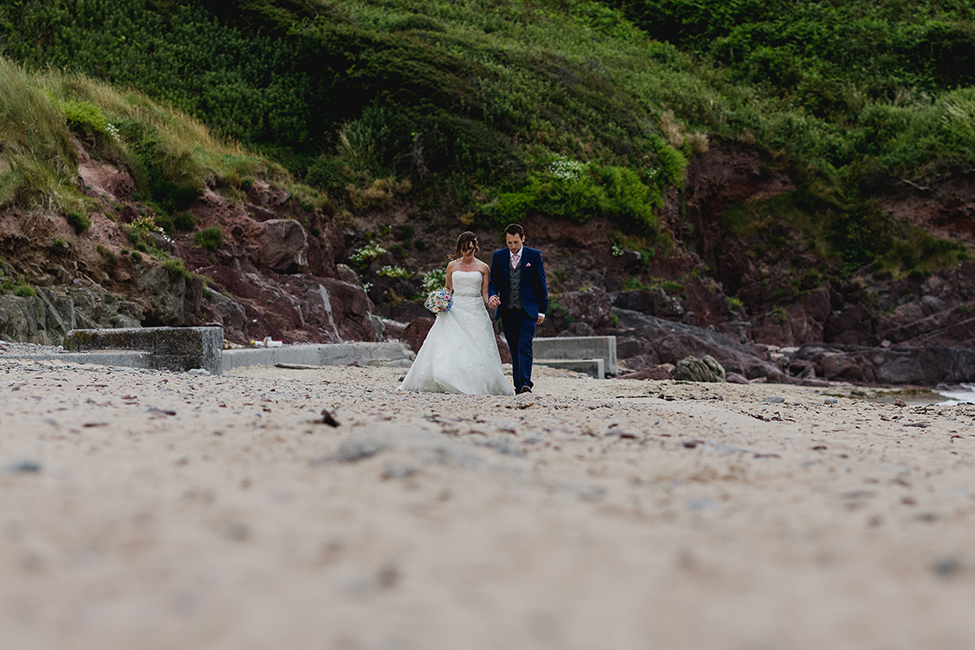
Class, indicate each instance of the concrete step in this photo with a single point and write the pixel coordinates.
(119, 358)
(595, 368)
(578, 347)
(185, 348)
(333, 354)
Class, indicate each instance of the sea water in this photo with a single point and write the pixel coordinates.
(966, 396)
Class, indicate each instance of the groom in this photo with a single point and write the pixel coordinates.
(518, 287)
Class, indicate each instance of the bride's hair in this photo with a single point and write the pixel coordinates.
(465, 239)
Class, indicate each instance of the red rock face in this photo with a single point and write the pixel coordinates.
(416, 332)
(259, 278)
(264, 279)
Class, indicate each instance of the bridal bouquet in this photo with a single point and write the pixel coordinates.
(439, 301)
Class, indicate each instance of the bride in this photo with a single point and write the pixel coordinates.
(460, 353)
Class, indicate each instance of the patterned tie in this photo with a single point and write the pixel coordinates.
(515, 259)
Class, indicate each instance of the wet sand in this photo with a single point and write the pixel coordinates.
(143, 509)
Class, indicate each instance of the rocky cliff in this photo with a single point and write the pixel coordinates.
(268, 276)
(280, 270)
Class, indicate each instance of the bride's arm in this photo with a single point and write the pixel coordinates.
(485, 281)
(449, 286)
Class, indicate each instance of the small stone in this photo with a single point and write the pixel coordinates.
(830, 400)
(508, 427)
(773, 400)
(23, 466)
(356, 449)
(899, 402)
(947, 567)
(203, 372)
(329, 419)
(502, 447)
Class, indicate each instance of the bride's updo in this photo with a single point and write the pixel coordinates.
(464, 242)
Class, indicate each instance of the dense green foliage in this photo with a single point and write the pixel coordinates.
(574, 191)
(888, 79)
(478, 98)
(828, 56)
(451, 94)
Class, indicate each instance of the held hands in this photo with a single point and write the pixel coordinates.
(494, 302)
(541, 319)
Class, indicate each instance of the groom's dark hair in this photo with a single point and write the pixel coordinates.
(515, 229)
(465, 239)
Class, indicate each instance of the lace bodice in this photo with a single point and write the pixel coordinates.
(467, 283)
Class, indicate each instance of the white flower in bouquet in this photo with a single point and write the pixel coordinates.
(439, 301)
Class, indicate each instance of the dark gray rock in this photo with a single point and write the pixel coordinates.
(926, 366)
(164, 292)
(229, 313)
(674, 341)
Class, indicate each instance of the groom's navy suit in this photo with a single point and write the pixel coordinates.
(520, 308)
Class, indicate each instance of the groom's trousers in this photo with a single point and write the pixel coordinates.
(519, 330)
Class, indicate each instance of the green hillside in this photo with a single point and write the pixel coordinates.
(498, 108)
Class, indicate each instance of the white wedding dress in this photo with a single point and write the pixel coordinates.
(460, 353)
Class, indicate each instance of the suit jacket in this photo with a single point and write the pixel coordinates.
(534, 290)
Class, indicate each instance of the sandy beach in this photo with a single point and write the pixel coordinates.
(155, 510)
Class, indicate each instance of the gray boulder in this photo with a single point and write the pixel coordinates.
(926, 366)
(694, 369)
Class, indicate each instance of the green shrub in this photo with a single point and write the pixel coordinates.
(433, 280)
(209, 238)
(397, 272)
(176, 269)
(59, 246)
(80, 222)
(184, 221)
(24, 291)
(361, 257)
(84, 117)
(578, 192)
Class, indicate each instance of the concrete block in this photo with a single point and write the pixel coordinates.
(335, 354)
(171, 348)
(595, 368)
(577, 347)
(122, 358)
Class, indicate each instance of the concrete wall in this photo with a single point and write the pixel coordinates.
(335, 354)
(577, 347)
(171, 348)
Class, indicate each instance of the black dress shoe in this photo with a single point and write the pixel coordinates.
(524, 389)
